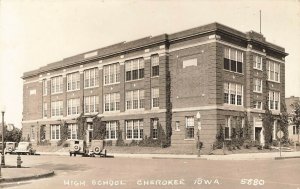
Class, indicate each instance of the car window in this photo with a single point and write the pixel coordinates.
(76, 142)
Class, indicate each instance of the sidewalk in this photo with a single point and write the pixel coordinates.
(21, 174)
(249, 156)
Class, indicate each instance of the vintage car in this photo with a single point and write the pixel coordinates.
(97, 148)
(25, 148)
(77, 147)
(10, 147)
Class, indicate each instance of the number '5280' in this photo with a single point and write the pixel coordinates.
(252, 182)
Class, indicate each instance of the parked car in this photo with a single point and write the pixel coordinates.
(25, 148)
(10, 147)
(77, 147)
(97, 148)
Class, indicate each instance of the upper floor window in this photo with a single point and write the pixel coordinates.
(257, 85)
(91, 78)
(257, 105)
(111, 73)
(73, 106)
(112, 102)
(56, 84)
(233, 94)
(273, 71)
(45, 87)
(135, 99)
(257, 62)
(233, 60)
(45, 110)
(155, 97)
(57, 108)
(189, 126)
(111, 130)
(91, 104)
(154, 65)
(73, 81)
(273, 100)
(134, 69)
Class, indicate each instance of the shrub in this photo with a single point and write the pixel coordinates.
(259, 147)
(275, 143)
(65, 145)
(108, 143)
(248, 144)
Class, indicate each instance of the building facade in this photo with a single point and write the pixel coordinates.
(192, 81)
(293, 130)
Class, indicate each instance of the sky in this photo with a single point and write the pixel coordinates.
(34, 33)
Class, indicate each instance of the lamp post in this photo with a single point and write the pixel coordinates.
(2, 156)
(198, 116)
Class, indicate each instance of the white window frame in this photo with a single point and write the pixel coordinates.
(256, 60)
(112, 76)
(272, 100)
(269, 70)
(57, 108)
(45, 110)
(72, 130)
(129, 66)
(129, 123)
(45, 87)
(57, 129)
(257, 85)
(235, 58)
(256, 105)
(111, 126)
(129, 97)
(235, 93)
(56, 84)
(87, 76)
(73, 103)
(112, 98)
(73, 81)
(189, 124)
(88, 104)
(154, 95)
(227, 125)
(154, 59)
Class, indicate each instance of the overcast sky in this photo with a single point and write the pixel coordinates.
(34, 33)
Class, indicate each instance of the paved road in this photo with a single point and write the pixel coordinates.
(83, 172)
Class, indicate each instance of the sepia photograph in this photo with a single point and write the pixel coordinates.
(150, 94)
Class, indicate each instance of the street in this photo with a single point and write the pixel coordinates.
(85, 172)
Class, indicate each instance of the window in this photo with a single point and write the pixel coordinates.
(273, 100)
(231, 125)
(154, 131)
(134, 69)
(72, 131)
(55, 132)
(56, 84)
(112, 102)
(257, 62)
(73, 81)
(189, 125)
(233, 94)
(91, 78)
(257, 105)
(111, 130)
(155, 97)
(135, 99)
(57, 108)
(134, 129)
(32, 133)
(177, 126)
(45, 110)
(45, 87)
(227, 128)
(273, 71)
(111, 73)
(295, 130)
(233, 60)
(155, 65)
(91, 104)
(257, 85)
(73, 106)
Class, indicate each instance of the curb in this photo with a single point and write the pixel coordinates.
(291, 157)
(17, 179)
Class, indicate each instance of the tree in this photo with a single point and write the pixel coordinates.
(296, 116)
(13, 136)
(268, 121)
(284, 123)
